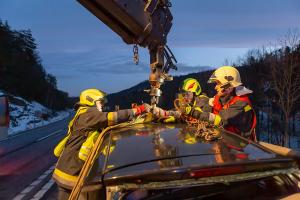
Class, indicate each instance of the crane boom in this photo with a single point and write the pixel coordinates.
(142, 22)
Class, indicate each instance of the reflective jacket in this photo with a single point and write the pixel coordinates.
(83, 131)
(237, 115)
(202, 102)
(61, 145)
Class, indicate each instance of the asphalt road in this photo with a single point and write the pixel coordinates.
(25, 157)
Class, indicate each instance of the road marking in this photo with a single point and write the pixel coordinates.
(19, 197)
(21, 133)
(28, 189)
(34, 129)
(45, 137)
(36, 182)
(30, 143)
(40, 194)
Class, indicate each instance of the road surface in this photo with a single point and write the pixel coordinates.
(27, 161)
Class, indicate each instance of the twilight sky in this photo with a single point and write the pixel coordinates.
(82, 52)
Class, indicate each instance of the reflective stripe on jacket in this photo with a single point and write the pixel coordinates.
(217, 107)
(84, 130)
(200, 104)
(87, 146)
(61, 145)
(63, 179)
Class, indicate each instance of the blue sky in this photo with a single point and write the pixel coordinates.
(82, 52)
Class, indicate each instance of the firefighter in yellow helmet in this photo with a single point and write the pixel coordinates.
(231, 105)
(190, 93)
(83, 130)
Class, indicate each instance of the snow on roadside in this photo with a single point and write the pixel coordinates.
(26, 115)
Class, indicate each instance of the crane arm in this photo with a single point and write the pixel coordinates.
(142, 22)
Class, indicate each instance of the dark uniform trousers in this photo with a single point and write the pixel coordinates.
(64, 194)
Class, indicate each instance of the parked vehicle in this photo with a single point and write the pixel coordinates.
(168, 161)
(4, 116)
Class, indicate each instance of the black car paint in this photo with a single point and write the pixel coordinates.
(170, 158)
(156, 152)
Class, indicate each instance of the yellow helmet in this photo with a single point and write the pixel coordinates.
(226, 75)
(191, 85)
(90, 96)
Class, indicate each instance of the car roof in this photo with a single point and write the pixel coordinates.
(144, 148)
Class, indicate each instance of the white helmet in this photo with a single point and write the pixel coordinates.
(225, 75)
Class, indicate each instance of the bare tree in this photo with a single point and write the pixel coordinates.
(285, 72)
(227, 62)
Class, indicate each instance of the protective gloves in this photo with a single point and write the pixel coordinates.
(147, 108)
(174, 113)
(189, 110)
(144, 108)
(159, 112)
(197, 113)
(166, 116)
(170, 119)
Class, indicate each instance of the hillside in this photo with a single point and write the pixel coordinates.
(170, 89)
(24, 74)
(136, 94)
(26, 115)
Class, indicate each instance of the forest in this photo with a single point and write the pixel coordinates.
(21, 70)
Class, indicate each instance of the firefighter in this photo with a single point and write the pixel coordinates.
(190, 94)
(83, 130)
(232, 108)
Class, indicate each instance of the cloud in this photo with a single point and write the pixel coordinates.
(113, 78)
(184, 69)
(74, 45)
(102, 61)
(232, 23)
(117, 66)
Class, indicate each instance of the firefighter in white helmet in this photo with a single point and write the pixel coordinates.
(83, 130)
(231, 106)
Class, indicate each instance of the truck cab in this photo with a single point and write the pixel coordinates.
(4, 115)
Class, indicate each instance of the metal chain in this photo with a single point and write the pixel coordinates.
(135, 54)
(204, 129)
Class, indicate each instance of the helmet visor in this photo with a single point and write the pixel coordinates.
(103, 101)
(213, 78)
